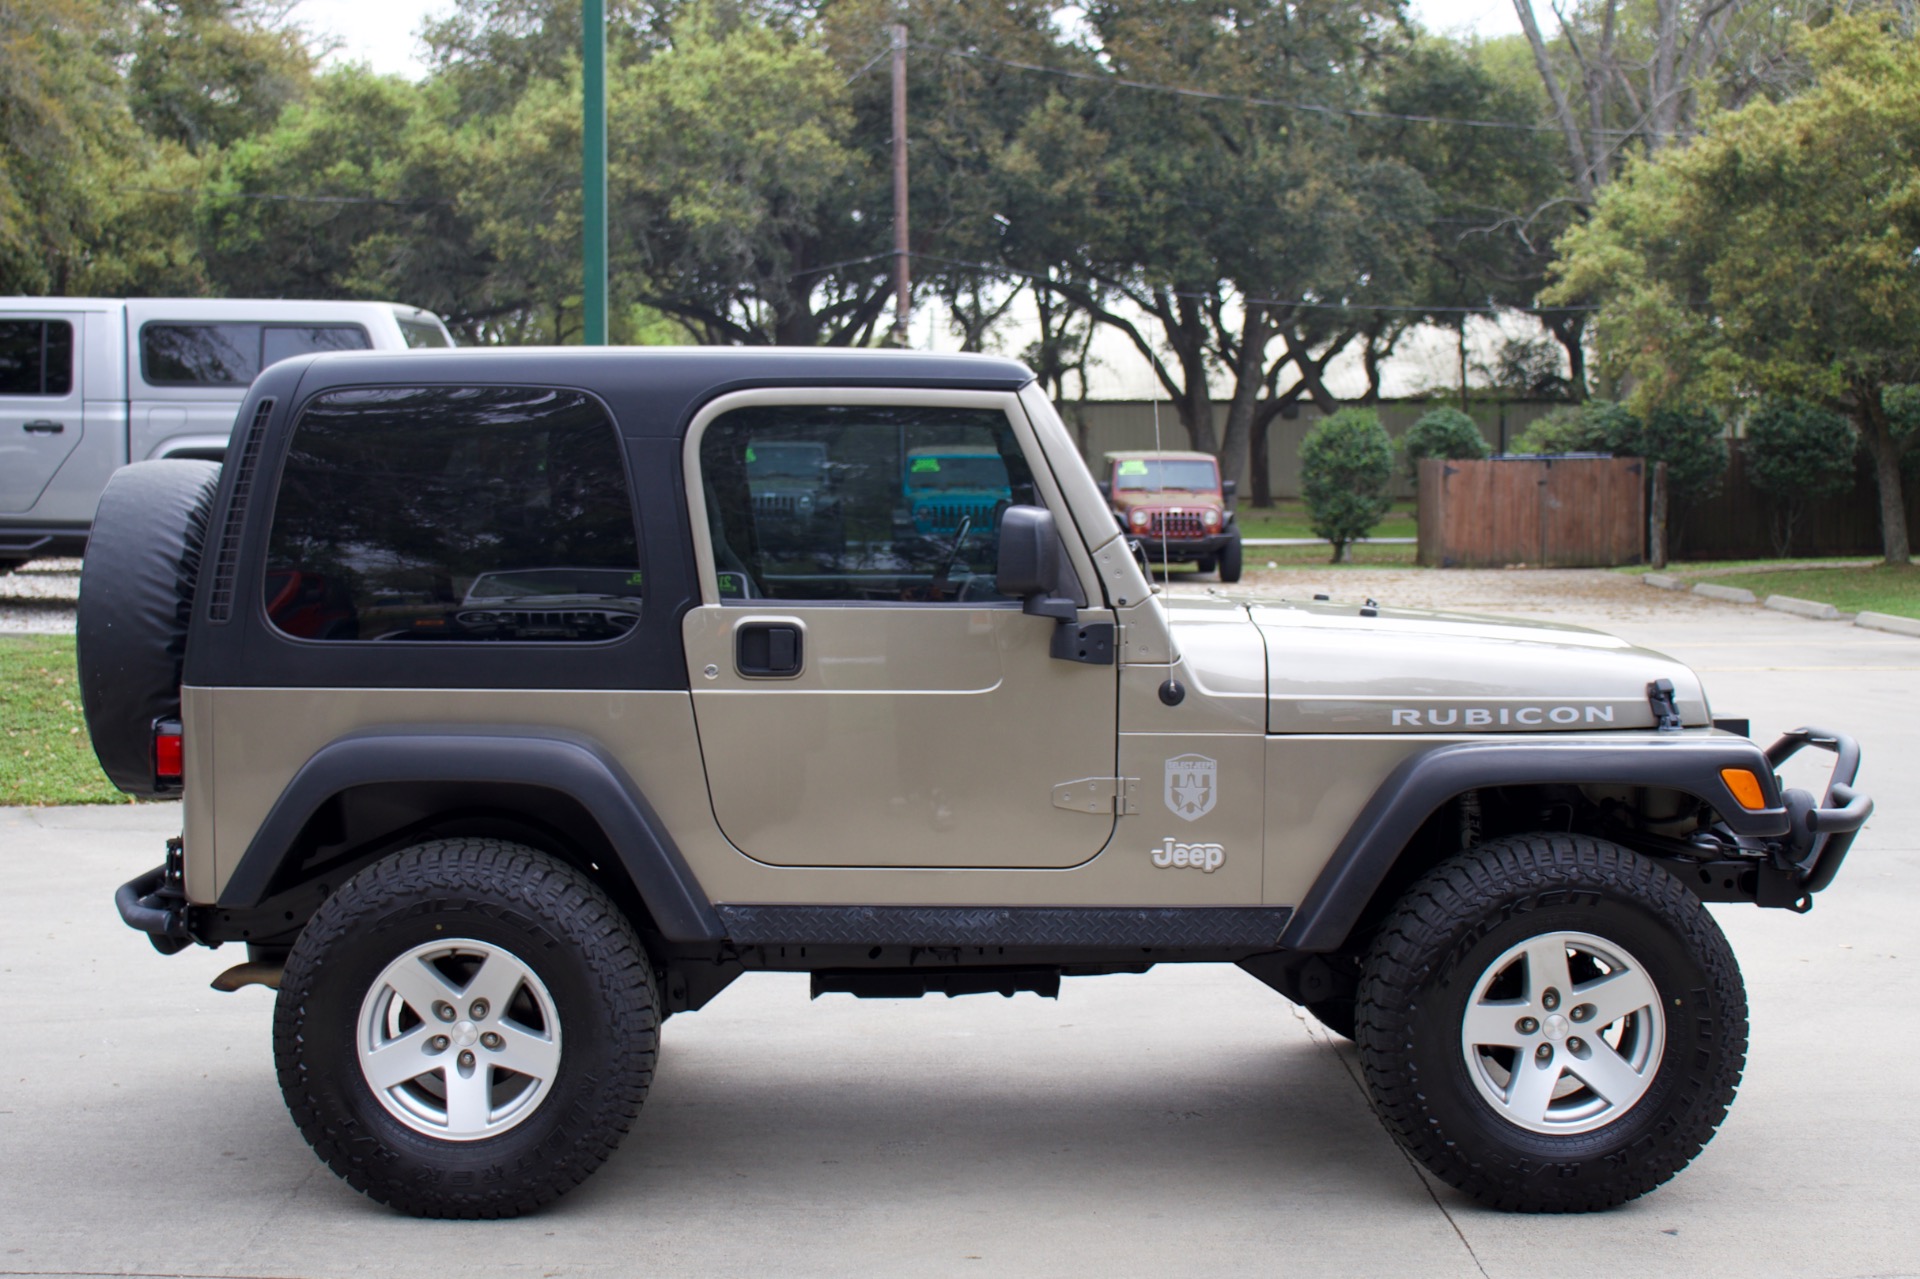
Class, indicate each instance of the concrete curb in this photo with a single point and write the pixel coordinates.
(1665, 581)
(1888, 622)
(1805, 608)
(1731, 594)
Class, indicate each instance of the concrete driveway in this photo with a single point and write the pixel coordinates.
(1183, 1122)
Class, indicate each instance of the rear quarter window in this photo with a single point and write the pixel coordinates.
(454, 515)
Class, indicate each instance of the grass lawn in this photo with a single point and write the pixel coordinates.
(45, 757)
(1289, 519)
(1879, 588)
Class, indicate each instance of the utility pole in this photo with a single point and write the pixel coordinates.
(902, 289)
(593, 171)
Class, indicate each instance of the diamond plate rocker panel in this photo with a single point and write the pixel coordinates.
(1194, 927)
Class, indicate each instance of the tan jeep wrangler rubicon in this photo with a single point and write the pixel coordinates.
(510, 719)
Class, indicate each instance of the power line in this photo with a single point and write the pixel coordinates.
(1209, 95)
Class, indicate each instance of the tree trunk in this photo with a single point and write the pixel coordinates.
(1249, 379)
(1871, 416)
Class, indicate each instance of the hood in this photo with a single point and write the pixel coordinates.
(1331, 670)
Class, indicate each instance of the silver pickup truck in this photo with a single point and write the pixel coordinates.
(90, 384)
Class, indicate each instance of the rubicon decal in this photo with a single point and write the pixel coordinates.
(1499, 716)
(1192, 786)
(1201, 857)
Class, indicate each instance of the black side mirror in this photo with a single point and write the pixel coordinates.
(1229, 489)
(1106, 489)
(1029, 565)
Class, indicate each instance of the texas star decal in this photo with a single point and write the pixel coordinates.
(1192, 786)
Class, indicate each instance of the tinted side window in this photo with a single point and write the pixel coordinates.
(234, 354)
(36, 357)
(199, 354)
(861, 503)
(282, 341)
(454, 514)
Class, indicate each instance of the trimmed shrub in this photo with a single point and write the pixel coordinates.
(1346, 470)
(1689, 441)
(1445, 433)
(1798, 453)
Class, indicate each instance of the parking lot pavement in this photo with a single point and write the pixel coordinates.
(1183, 1122)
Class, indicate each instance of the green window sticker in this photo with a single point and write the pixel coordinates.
(635, 580)
(922, 465)
(731, 586)
(750, 456)
(1135, 467)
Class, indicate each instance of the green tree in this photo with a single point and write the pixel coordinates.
(1346, 472)
(206, 73)
(1775, 253)
(1443, 433)
(1798, 454)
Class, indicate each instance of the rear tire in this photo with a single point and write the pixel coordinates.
(1551, 1024)
(466, 1029)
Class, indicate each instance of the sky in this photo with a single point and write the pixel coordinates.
(381, 33)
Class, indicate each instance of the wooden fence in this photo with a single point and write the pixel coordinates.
(1540, 512)
(1736, 523)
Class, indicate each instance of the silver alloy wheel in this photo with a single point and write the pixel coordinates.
(1563, 1033)
(458, 1040)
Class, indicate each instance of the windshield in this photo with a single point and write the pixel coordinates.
(956, 473)
(1147, 474)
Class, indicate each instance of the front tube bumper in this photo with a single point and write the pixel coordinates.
(1821, 832)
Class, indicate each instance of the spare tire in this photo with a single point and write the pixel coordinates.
(136, 595)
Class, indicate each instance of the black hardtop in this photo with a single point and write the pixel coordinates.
(654, 391)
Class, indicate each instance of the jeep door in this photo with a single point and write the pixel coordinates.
(864, 694)
(41, 391)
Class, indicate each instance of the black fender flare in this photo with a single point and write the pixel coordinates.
(571, 764)
(1415, 790)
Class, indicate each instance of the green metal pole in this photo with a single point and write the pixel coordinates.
(593, 170)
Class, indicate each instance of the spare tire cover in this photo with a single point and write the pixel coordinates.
(136, 595)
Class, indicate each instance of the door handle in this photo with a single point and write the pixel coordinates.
(44, 427)
(767, 649)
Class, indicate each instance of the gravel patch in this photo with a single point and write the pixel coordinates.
(39, 598)
(1584, 596)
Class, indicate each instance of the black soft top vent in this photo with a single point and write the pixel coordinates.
(226, 562)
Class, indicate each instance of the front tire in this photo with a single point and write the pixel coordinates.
(466, 1029)
(1230, 561)
(1551, 1023)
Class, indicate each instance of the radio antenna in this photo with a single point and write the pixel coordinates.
(1166, 570)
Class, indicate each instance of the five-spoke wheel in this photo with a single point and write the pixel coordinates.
(459, 1040)
(1563, 1033)
(466, 1029)
(1552, 1023)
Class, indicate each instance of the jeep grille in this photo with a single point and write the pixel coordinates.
(1176, 524)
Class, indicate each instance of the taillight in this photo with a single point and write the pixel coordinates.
(168, 754)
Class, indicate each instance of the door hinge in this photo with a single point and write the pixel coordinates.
(1120, 795)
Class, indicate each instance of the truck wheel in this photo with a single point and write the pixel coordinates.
(1230, 561)
(1551, 1024)
(136, 595)
(466, 1029)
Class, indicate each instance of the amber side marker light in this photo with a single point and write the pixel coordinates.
(1745, 787)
